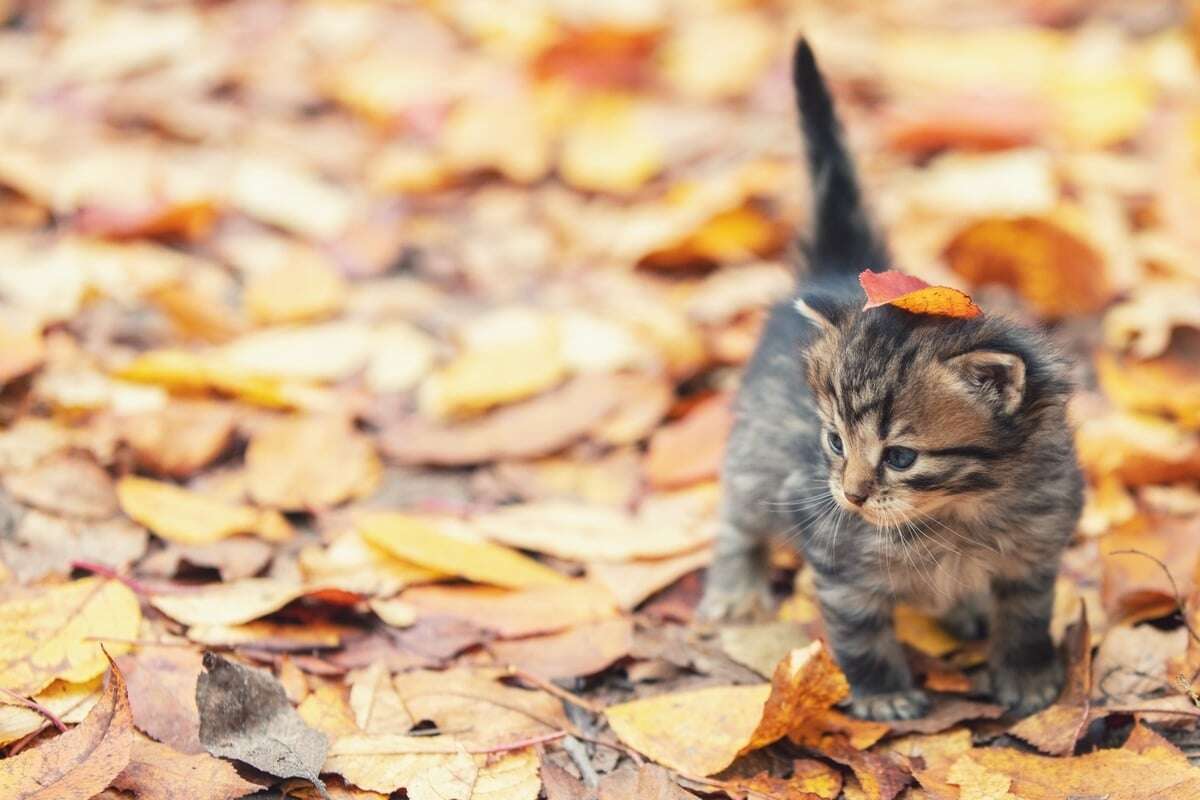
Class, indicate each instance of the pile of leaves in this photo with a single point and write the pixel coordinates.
(366, 369)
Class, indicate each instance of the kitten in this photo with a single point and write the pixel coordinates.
(915, 458)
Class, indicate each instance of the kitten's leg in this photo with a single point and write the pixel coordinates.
(862, 634)
(738, 582)
(1026, 672)
(968, 620)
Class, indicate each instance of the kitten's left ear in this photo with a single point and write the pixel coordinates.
(999, 377)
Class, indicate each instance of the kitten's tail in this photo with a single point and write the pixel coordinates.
(842, 240)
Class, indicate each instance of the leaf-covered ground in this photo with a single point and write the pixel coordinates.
(385, 349)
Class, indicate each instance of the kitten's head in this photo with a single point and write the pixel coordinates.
(920, 412)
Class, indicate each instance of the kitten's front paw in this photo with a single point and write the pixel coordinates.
(905, 704)
(1024, 691)
(743, 604)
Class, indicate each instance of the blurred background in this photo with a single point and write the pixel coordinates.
(519, 250)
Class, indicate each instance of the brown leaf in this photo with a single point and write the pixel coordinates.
(583, 650)
(520, 612)
(162, 695)
(282, 472)
(1134, 585)
(231, 603)
(43, 544)
(690, 450)
(559, 785)
(647, 782)
(180, 439)
(631, 582)
(536, 427)
(67, 484)
(81, 762)
(159, 772)
(245, 715)
(945, 714)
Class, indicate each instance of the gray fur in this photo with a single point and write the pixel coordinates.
(973, 528)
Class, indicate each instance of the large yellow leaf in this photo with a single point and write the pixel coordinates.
(57, 633)
(420, 542)
(231, 603)
(187, 517)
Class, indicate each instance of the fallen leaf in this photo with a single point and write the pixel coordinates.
(915, 295)
(644, 401)
(427, 768)
(1168, 385)
(1129, 662)
(353, 564)
(762, 646)
(587, 532)
(329, 351)
(610, 147)
(281, 472)
(327, 709)
(690, 450)
(186, 372)
(185, 517)
(647, 782)
(376, 705)
(515, 613)
(245, 715)
(337, 789)
(1059, 273)
(70, 702)
(159, 772)
(401, 356)
(181, 438)
(535, 427)
(272, 637)
(1145, 322)
(631, 582)
(57, 632)
(396, 613)
(23, 354)
(234, 558)
(923, 633)
(420, 542)
(945, 714)
(231, 603)
(162, 694)
(43, 544)
(278, 193)
(577, 652)
(302, 288)
(66, 484)
(81, 762)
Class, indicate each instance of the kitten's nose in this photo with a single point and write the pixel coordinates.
(857, 499)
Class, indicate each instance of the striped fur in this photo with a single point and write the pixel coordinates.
(974, 528)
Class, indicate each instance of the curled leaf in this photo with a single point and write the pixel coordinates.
(915, 295)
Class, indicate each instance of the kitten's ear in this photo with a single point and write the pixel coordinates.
(999, 377)
(821, 310)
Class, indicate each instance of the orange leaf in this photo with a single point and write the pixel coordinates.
(80, 763)
(915, 295)
(1054, 730)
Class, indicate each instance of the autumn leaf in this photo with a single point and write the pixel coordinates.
(515, 613)
(280, 472)
(914, 295)
(691, 449)
(81, 762)
(231, 603)
(1054, 730)
(186, 517)
(69, 702)
(419, 542)
(57, 633)
(159, 772)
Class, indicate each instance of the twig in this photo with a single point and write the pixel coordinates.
(104, 571)
(550, 688)
(582, 761)
(1179, 603)
(34, 705)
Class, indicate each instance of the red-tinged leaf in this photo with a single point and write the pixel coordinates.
(915, 295)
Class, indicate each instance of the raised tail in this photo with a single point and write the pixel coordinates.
(842, 240)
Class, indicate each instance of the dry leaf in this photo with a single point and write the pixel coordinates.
(245, 715)
(583, 650)
(231, 603)
(420, 542)
(81, 762)
(610, 147)
(282, 472)
(1059, 273)
(296, 290)
(181, 438)
(645, 782)
(376, 705)
(915, 295)
(535, 427)
(690, 450)
(516, 613)
(355, 565)
(330, 351)
(70, 702)
(187, 517)
(66, 484)
(162, 694)
(159, 772)
(631, 582)
(43, 544)
(57, 632)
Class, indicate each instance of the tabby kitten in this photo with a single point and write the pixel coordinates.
(916, 458)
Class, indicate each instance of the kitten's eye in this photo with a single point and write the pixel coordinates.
(835, 442)
(899, 457)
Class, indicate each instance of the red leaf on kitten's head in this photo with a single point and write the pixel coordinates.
(915, 295)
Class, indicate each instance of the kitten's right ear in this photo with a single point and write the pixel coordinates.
(821, 310)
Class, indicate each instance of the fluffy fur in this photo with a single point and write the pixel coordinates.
(833, 406)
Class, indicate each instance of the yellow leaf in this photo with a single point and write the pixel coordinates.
(420, 542)
(281, 471)
(330, 351)
(293, 199)
(503, 133)
(296, 290)
(181, 371)
(230, 603)
(57, 633)
(70, 702)
(923, 633)
(698, 732)
(352, 564)
(182, 516)
(610, 147)
(509, 355)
